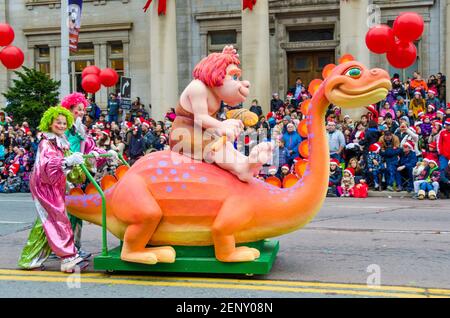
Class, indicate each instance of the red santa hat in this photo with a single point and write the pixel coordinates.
(334, 162)
(439, 111)
(100, 125)
(408, 143)
(351, 171)
(285, 166)
(376, 147)
(146, 123)
(272, 170)
(128, 124)
(420, 114)
(447, 121)
(432, 91)
(433, 161)
(432, 145)
(14, 168)
(432, 106)
(106, 132)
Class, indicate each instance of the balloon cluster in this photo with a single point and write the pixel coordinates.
(397, 42)
(11, 56)
(93, 78)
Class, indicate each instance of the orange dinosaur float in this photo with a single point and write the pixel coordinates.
(163, 201)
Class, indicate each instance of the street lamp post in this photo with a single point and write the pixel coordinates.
(65, 80)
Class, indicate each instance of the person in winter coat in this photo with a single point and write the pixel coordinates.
(335, 178)
(417, 104)
(443, 145)
(407, 162)
(390, 150)
(375, 164)
(291, 141)
(347, 183)
(136, 147)
(430, 175)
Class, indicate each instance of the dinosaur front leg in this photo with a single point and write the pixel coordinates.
(134, 205)
(233, 216)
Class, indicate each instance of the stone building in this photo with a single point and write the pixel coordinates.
(302, 37)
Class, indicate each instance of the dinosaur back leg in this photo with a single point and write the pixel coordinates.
(135, 206)
(232, 217)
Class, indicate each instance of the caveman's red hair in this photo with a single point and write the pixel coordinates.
(213, 68)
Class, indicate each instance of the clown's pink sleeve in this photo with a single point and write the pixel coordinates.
(50, 163)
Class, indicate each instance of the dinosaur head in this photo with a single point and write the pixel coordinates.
(351, 85)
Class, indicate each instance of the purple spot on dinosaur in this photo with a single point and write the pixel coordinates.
(203, 179)
(176, 179)
(173, 171)
(166, 178)
(153, 178)
(163, 163)
(169, 189)
(159, 171)
(183, 186)
(186, 175)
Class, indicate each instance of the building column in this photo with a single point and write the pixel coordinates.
(353, 29)
(101, 61)
(54, 72)
(163, 60)
(447, 49)
(256, 53)
(4, 76)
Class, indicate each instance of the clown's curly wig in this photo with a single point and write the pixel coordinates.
(74, 99)
(51, 114)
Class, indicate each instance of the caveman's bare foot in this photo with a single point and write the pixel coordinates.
(260, 154)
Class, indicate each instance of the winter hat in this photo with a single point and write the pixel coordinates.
(376, 147)
(417, 92)
(420, 114)
(272, 170)
(285, 166)
(432, 161)
(99, 124)
(146, 123)
(351, 171)
(14, 168)
(409, 144)
(440, 112)
(334, 162)
(432, 91)
(106, 132)
(432, 145)
(432, 106)
(447, 121)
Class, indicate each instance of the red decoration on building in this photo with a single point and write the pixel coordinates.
(248, 4)
(162, 6)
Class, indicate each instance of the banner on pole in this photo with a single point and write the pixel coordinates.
(74, 22)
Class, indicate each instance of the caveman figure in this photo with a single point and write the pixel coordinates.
(198, 134)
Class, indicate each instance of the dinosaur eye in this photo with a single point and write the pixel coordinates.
(235, 77)
(354, 72)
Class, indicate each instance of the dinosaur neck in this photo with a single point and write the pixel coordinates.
(297, 205)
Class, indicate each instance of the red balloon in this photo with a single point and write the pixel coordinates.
(380, 39)
(92, 69)
(12, 57)
(91, 83)
(408, 26)
(109, 77)
(6, 34)
(402, 55)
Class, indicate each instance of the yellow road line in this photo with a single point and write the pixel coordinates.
(238, 281)
(217, 286)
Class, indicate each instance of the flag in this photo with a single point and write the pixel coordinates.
(74, 22)
(162, 6)
(248, 4)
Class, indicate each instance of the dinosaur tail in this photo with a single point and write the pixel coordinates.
(87, 205)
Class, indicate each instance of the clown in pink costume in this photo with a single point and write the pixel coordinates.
(82, 142)
(48, 187)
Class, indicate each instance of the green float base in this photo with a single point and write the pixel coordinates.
(195, 259)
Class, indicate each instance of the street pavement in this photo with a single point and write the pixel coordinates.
(400, 244)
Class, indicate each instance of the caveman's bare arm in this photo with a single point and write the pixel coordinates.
(198, 98)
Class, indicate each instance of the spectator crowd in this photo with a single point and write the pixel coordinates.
(401, 143)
